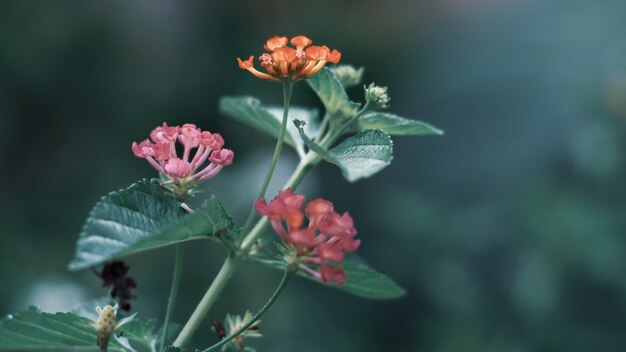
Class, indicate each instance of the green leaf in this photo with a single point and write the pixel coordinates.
(143, 217)
(361, 280)
(394, 124)
(363, 154)
(311, 144)
(172, 349)
(31, 329)
(268, 119)
(139, 331)
(332, 94)
(366, 282)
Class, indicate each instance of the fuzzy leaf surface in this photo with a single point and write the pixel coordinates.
(32, 329)
(363, 154)
(140, 218)
(395, 125)
(332, 94)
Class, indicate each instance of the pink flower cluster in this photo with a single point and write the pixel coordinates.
(160, 151)
(325, 239)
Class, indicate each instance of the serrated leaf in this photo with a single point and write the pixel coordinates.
(394, 124)
(268, 119)
(32, 329)
(363, 154)
(332, 94)
(139, 218)
(139, 332)
(87, 309)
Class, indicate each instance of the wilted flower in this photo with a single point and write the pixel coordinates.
(114, 274)
(181, 173)
(286, 63)
(324, 239)
(377, 96)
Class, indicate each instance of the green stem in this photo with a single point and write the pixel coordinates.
(306, 163)
(227, 270)
(287, 88)
(322, 128)
(288, 274)
(231, 263)
(330, 138)
(173, 292)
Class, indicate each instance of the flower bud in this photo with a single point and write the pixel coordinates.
(376, 96)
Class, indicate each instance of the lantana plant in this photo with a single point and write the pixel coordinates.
(310, 239)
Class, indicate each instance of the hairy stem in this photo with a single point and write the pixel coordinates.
(301, 170)
(332, 136)
(178, 261)
(253, 232)
(287, 88)
(287, 275)
(231, 262)
(227, 270)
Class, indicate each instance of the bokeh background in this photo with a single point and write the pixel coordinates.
(508, 232)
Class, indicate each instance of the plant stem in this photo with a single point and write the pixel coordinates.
(322, 128)
(287, 275)
(330, 138)
(231, 262)
(301, 170)
(178, 261)
(227, 270)
(287, 88)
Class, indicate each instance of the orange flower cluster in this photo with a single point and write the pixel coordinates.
(286, 63)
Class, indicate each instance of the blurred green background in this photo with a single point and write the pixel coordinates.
(508, 232)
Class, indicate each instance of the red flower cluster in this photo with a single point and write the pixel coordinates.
(325, 239)
(160, 152)
(283, 62)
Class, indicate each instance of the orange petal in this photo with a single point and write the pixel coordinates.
(335, 56)
(245, 64)
(262, 75)
(317, 52)
(284, 54)
(275, 42)
(301, 42)
(315, 69)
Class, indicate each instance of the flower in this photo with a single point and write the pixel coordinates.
(183, 172)
(377, 96)
(319, 246)
(234, 323)
(284, 62)
(114, 274)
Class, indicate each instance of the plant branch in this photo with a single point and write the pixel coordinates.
(227, 270)
(231, 263)
(287, 88)
(287, 275)
(178, 261)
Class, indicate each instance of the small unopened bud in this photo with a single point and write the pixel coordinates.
(376, 96)
(348, 75)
